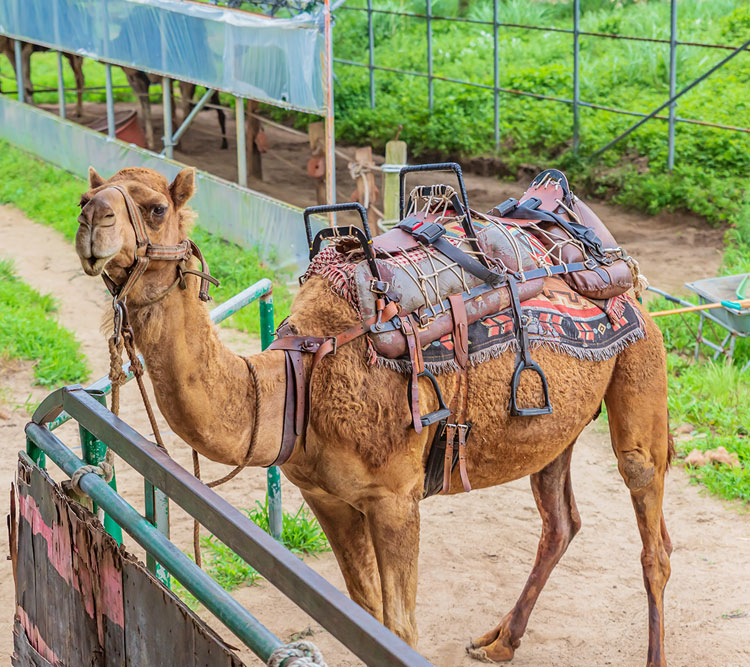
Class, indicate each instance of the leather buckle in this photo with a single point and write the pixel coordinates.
(335, 344)
(591, 263)
(379, 286)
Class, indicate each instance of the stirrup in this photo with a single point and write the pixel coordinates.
(443, 412)
(515, 411)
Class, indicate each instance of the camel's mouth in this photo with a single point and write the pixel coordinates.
(93, 266)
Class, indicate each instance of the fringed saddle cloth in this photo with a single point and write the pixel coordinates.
(449, 287)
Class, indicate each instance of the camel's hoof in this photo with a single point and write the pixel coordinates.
(495, 652)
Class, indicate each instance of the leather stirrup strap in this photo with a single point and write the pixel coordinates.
(417, 366)
(462, 457)
(450, 436)
(288, 434)
(460, 330)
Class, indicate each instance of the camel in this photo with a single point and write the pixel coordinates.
(141, 82)
(360, 464)
(76, 63)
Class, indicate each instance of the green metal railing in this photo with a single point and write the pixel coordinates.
(94, 451)
(344, 619)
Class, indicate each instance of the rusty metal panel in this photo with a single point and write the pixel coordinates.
(83, 601)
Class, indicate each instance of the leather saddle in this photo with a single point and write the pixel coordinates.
(443, 267)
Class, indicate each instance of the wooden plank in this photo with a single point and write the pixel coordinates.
(24, 654)
(316, 166)
(84, 601)
(395, 153)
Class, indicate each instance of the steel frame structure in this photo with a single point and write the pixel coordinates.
(575, 101)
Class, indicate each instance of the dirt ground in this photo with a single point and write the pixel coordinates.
(477, 549)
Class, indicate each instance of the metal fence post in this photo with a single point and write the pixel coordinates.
(60, 85)
(672, 80)
(239, 111)
(430, 82)
(110, 101)
(157, 514)
(371, 44)
(94, 451)
(496, 69)
(273, 477)
(167, 103)
(19, 69)
(576, 72)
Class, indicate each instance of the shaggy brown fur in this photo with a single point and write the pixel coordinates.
(361, 464)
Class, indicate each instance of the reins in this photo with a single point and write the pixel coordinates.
(123, 338)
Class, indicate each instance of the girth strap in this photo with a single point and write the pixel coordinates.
(460, 330)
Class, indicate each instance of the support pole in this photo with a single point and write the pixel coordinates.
(60, 85)
(273, 476)
(672, 80)
(191, 116)
(157, 514)
(94, 452)
(430, 82)
(329, 120)
(371, 46)
(239, 111)
(395, 158)
(496, 71)
(110, 101)
(576, 72)
(18, 47)
(167, 102)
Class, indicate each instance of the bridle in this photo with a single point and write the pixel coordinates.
(145, 251)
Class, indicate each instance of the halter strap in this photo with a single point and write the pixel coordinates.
(182, 252)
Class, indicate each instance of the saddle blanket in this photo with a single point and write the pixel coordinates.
(558, 318)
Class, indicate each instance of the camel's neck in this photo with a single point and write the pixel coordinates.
(204, 391)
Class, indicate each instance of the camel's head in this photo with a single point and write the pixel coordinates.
(106, 238)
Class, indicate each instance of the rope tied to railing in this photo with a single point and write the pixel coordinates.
(105, 469)
(297, 654)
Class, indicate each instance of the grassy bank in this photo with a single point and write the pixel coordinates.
(50, 195)
(713, 397)
(29, 331)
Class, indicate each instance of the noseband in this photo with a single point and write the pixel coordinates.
(145, 251)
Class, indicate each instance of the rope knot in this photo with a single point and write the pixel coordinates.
(105, 469)
(297, 654)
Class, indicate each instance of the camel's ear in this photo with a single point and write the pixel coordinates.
(94, 179)
(183, 187)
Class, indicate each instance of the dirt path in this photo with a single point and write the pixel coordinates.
(476, 550)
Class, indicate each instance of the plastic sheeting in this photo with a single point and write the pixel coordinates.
(267, 59)
(246, 217)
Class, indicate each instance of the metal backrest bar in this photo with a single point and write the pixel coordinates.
(343, 618)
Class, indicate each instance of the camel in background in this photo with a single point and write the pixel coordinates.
(76, 64)
(360, 464)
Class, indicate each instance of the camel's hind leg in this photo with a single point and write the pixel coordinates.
(638, 421)
(560, 522)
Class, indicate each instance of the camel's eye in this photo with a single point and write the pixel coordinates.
(159, 210)
(83, 202)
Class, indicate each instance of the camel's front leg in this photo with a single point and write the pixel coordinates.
(394, 526)
(349, 536)
(560, 522)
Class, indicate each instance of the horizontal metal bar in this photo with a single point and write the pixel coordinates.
(239, 301)
(523, 26)
(551, 98)
(343, 618)
(242, 623)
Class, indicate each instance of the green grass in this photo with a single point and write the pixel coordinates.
(29, 331)
(713, 397)
(711, 164)
(50, 195)
(301, 534)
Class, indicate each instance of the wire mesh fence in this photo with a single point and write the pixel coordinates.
(491, 21)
